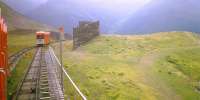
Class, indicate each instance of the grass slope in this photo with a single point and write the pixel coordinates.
(18, 73)
(162, 66)
(17, 40)
(180, 69)
(20, 39)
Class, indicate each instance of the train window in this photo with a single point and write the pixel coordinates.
(40, 36)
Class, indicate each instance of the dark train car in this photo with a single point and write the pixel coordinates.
(42, 38)
(4, 70)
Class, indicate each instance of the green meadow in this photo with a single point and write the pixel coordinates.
(16, 76)
(159, 66)
(20, 39)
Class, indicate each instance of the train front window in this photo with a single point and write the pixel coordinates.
(40, 36)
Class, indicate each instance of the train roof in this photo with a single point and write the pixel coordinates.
(42, 32)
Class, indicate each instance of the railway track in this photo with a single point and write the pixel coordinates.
(41, 82)
(13, 59)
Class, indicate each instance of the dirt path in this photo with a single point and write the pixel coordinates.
(145, 67)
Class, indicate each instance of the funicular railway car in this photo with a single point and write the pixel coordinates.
(47, 38)
(43, 38)
(4, 70)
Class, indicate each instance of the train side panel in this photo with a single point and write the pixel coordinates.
(4, 70)
(47, 38)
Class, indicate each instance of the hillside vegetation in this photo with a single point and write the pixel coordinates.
(16, 76)
(161, 66)
(20, 39)
(20, 29)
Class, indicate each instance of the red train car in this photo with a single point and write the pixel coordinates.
(47, 38)
(42, 38)
(4, 70)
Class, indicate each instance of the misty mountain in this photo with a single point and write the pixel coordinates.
(163, 15)
(69, 12)
(24, 6)
(154, 16)
(16, 20)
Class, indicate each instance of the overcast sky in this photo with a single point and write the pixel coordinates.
(118, 5)
(110, 5)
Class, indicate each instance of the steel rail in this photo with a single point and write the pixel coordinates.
(38, 77)
(60, 94)
(24, 49)
(14, 57)
(17, 56)
(43, 79)
(24, 78)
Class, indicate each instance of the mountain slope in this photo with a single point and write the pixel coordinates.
(68, 13)
(161, 66)
(163, 15)
(18, 21)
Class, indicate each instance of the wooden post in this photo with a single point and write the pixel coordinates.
(61, 55)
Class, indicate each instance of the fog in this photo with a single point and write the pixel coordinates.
(111, 6)
(115, 16)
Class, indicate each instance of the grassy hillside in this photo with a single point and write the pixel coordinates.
(18, 73)
(20, 39)
(17, 40)
(21, 29)
(18, 21)
(162, 66)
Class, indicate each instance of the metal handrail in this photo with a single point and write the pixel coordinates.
(72, 82)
